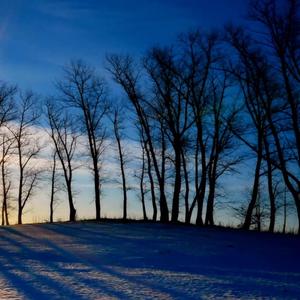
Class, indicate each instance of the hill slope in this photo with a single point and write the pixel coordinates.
(145, 261)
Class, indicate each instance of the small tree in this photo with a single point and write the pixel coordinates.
(223, 157)
(259, 215)
(140, 175)
(56, 185)
(127, 76)
(117, 121)
(7, 113)
(27, 148)
(6, 145)
(64, 137)
(82, 89)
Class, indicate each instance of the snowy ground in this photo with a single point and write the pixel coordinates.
(145, 261)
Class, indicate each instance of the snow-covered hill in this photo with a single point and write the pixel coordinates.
(145, 261)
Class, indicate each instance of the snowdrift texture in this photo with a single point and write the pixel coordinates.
(145, 261)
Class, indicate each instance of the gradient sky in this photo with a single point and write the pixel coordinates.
(37, 37)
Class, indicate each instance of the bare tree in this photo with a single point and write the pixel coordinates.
(271, 67)
(186, 176)
(27, 148)
(6, 145)
(124, 73)
(83, 90)
(286, 206)
(250, 76)
(56, 186)
(117, 120)
(259, 215)
(171, 106)
(64, 137)
(200, 57)
(141, 177)
(272, 186)
(147, 165)
(223, 157)
(7, 113)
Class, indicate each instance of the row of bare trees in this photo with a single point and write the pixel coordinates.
(207, 101)
(186, 119)
(202, 109)
(266, 68)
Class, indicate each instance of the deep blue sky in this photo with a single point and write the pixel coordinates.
(37, 37)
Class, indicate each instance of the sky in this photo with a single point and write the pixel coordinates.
(38, 37)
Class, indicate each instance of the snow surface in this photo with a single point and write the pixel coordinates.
(145, 261)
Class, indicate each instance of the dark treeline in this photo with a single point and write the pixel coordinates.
(203, 108)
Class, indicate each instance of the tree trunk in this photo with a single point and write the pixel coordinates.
(212, 176)
(177, 183)
(52, 188)
(164, 211)
(201, 189)
(298, 211)
(51, 210)
(209, 218)
(5, 220)
(6, 213)
(72, 215)
(284, 212)
(270, 187)
(142, 187)
(152, 186)
(187, 189)
(255, 189)
(97, 191)
(122, 172)
(20, 208)
(124, 192)
(2, 215)
(20, 216)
